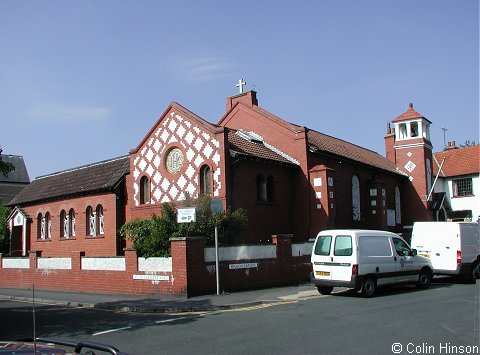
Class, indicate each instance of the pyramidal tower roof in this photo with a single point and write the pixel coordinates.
(410, 114)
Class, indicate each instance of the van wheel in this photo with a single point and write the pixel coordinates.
(476, 270)
(473, 274)
(424, 278)
(325, 290)
(369, 286)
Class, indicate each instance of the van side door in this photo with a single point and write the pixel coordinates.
(376, 256)
(404, 261)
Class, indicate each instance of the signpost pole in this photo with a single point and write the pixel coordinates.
(216, 207)
(217, 271)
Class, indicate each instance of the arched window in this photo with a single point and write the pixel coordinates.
(71, 220)
(356, 199)
(40, 227)
(144, 190)
(100, 220)
(67, 224)
(47, 226)
(398, 211)
(90, 222)
(64, 225)
(205, 180)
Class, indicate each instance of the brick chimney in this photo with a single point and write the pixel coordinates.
(248, 98)
(389, 143)
(451, 145)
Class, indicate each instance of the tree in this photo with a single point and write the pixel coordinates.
(5, 167)
(152, 237)
(4, 238)
(468, 143)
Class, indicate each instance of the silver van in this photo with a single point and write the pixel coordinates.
(365, 259)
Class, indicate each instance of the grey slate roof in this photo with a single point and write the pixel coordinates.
(20, 174)
(16, 180)
(93, 178)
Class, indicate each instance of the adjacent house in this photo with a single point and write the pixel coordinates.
(457, 189)
(14, 182)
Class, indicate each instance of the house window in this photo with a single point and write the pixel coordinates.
(355, 198)
(144, 190)
(462, 187)
(265, 188)
(205, 180)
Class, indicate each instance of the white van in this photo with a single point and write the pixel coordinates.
(365, 259)
(453, 247)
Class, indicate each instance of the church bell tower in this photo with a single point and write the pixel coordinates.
(412, 153)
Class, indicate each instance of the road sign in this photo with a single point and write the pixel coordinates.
(216, 206)
(186, 215)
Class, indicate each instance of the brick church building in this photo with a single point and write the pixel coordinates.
(289, 178)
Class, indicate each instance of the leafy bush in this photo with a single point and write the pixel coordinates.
(151, 237)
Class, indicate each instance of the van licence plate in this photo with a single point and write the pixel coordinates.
(425, 255)
(322, 273)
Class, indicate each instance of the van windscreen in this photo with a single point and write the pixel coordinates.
(323, 245)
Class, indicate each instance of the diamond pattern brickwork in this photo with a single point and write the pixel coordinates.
(198, 147)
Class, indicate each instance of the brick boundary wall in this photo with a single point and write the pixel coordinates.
(190, 275)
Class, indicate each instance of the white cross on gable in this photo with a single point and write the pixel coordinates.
(240, 85)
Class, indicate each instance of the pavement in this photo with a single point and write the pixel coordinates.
(162, 303)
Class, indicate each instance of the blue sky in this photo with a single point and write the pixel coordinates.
(84, 81)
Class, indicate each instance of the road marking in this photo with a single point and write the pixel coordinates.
(199, 315)
(111, 331)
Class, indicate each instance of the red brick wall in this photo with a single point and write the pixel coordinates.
(342, 172)
(416, 193)
(197, 278)
(101, 245)
(265, 218)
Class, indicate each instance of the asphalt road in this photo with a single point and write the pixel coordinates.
(443, 319)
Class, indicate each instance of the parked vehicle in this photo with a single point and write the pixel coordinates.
(453, 247)
(365, 259)
(55, 346)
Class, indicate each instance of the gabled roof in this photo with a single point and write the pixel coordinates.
(250, 146)
(93, 178)
(461, 161)
(327, 144)
(290, 126)
(410, 114)
(186, 113)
